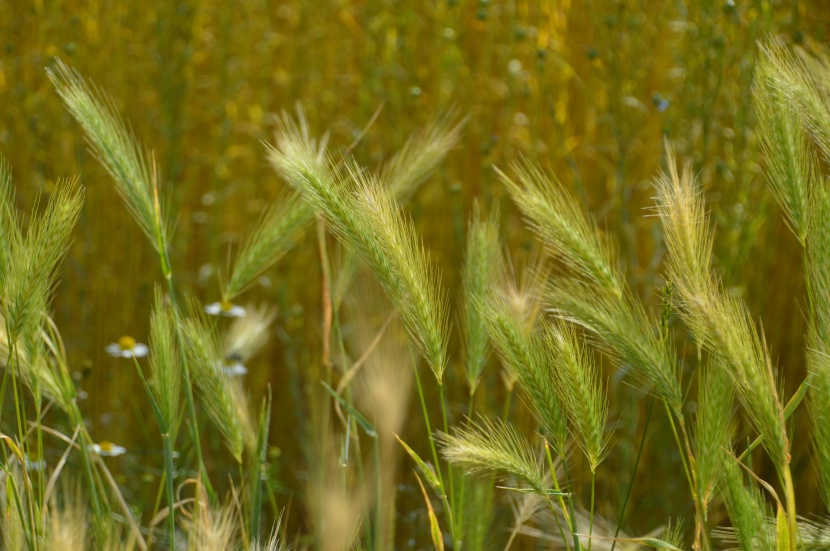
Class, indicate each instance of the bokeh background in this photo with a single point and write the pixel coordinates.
(587, 88)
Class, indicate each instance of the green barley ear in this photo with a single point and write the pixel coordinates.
(115, 146)
(31, 279)
(719, 321)
(222, 396)
(625, 329)
(558, 220)
(712, 430)
(494, 446)
(747, 508)
(362, 214)
(523, 350)
(482, 269)
(10, 235)
(792, 170)
(801, 82)
(817, 268)
(419, 156)
(580, 390)
(393, 248)
(266, 243)
(596, 296)
(164, 363)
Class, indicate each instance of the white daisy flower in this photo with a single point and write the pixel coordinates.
(225, 308)
(127, 347)
(107, 448)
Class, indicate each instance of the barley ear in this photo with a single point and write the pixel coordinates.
(165, 363)
(494, 446)
(525, 354)
(580, 390)
(113, 143)
(266, 242)
(482, 269)
(222, 396)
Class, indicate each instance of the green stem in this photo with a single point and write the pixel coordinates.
(86, 442)
(378, 498)
(555, 480)
(574, 528)
(789, 491)
(591, 517)
(447, 508)
(633, 475)
(168, 475)
(450, 474)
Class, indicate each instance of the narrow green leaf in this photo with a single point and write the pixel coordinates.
(361, 420)
(432, 478)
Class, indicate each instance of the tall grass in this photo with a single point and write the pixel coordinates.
(574, 331)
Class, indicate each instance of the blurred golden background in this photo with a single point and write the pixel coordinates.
(588, 88)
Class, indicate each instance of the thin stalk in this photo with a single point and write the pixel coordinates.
(450, 474)
(556, 487)
(258, 473)
(16, 496)
(577, 545)
(443, 496)
(168, 478)
(39, 432)
(633, 475)
(506, 410)
(561, 502)
(689, 468)
(86, 441)
(680, 447)
(792, 521)
(20, 418)
(591, 517)
(378, 498)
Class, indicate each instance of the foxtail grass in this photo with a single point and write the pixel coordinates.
(721, 322)
(482, 270)
(222, 396)
(362, 214)
(524, 352)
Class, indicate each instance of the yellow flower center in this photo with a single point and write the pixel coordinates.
(226, 305)
(106, 446)
(126, 343)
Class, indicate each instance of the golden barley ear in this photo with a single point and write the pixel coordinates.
(363, 215)
(720, 322)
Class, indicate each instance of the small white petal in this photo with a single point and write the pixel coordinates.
(235, 312)
(113, 350)
(140, 350)
(112, 450)
(236, 370)
(213, 309)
